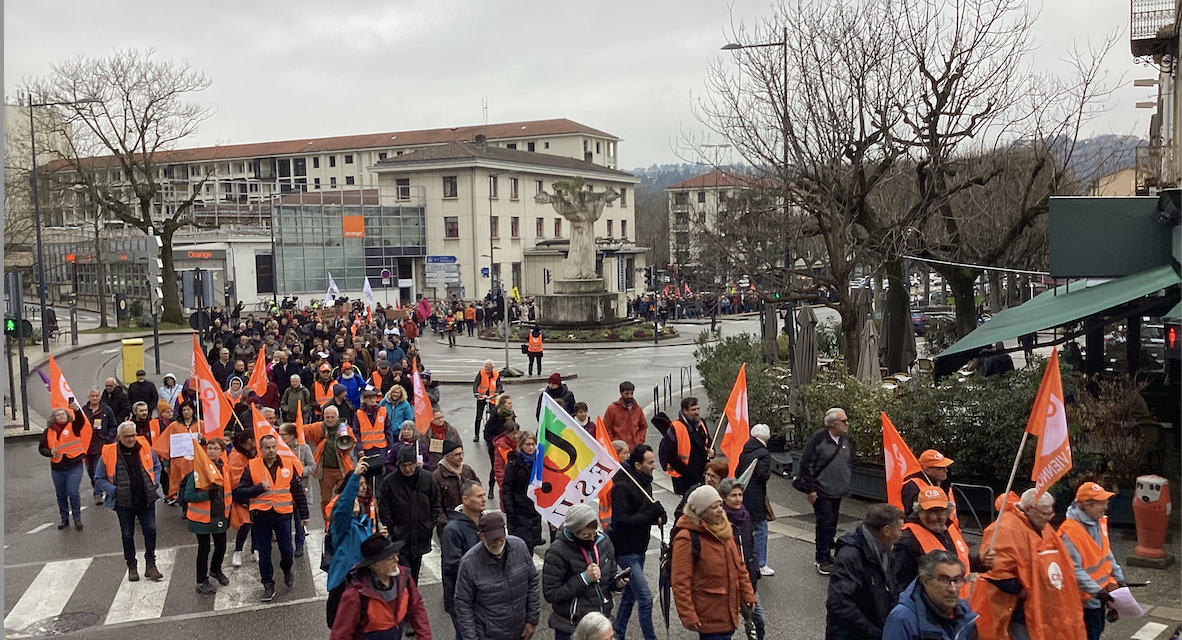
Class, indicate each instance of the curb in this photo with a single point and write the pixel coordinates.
(511, 380)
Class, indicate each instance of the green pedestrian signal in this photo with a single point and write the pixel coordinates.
(10, 327)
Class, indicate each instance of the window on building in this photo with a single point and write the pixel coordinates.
(681, 198)
(254, 186)
(494, 226)
(623, 196)
(516, 275)
(315, 183)
(332, 161)
(596, 147)
(701, 196)
(316, 163)
(515, 227)
(332, 182)
(624, 229)
(349, 180)
(451, 227)
(451, 187)
(194, 170)
(299, 167)
(381, 155)
(584, 146)
(513, 188)
(511, 145)
(680, 219)
(557, 227)
(492, 187)
(531, 146)
(546, 145)
(540, 231)
(538, 187)
(348, 158)
(398, 153)
(609, 228)
(702, 217)
(403, 188)
(284, 168)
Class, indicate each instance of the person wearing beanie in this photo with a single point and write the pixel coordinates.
(340, 400)
(409, 505)
(558, 390)
(439, 432)
(451, 474)
(580, 573)
(706, 557)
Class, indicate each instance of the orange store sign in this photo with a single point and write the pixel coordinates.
(354, 226)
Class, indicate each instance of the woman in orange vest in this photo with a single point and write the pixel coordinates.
(179, 465)
(1085, 535)
(930, 529)
(65, 442)
(534, 349)
(209, 517)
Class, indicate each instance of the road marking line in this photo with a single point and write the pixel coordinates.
(431, 570)
(314, 548)
(115, 350)
(48, 594)
(245, 586)
(1149, 631)
(37, 529)
(143, 600)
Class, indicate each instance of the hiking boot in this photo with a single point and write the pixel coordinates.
(221, 578)
(206, 589)
(299, 552)
(133, 575)
(236, 559)
(268, 592)
(289, 579)
(78, 525)
(824, 568)
(63, 525)
(152, 573)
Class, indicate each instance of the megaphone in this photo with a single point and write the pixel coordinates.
(345, 440)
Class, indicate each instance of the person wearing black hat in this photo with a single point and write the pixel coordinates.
(451, 474)
(379, 598)
(558, 390)
(142, 391)
(409, 505)
(497, 591)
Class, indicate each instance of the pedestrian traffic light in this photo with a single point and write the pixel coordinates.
(10, 327)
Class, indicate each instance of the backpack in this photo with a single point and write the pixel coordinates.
(334, 600)
(668, 447)
(666, 569)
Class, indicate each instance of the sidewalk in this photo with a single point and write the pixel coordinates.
(687, 335)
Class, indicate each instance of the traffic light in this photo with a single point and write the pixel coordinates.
(547, 275)
(1171, 336)
(10, 327)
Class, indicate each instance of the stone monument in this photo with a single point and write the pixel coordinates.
(580, 298)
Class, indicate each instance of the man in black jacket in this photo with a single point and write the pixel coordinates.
(409, 506)
(755, 496)
(862, 589)
(458, 537)
(561, 394)
(142, 391)
(634, 512)
(105, 426)
(115, 397)
(686, 447)
(825, 476)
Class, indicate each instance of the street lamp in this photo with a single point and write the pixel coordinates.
(492, 261)
(42, 290)
(789, 320)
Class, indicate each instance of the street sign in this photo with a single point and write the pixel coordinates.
(483, 272)
(432, 268)
(385, 277)
(441, 259)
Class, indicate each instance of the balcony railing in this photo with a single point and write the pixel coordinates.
(1157, 168)
(1152, 27)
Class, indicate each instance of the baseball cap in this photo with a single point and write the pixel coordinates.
(1092, 491)
(492, 526)
(346, 366)
(933, 498)
(369, 392)
(325, 367)
(933, 458)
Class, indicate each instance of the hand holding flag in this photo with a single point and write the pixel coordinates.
(1048, 421)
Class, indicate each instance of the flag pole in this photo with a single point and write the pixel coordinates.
(637, 483)
(1009, 485)
(718, 431)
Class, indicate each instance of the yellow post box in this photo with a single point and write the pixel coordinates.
(133, 358)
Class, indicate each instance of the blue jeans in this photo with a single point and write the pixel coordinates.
(760, 533)
(261, 529)
(147, 518)
(299, 532)
(637, 591)
(757, 618)
(66, 483)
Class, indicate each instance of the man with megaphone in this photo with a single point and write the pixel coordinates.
(333, 444)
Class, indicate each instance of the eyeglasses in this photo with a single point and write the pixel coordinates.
(945, 581)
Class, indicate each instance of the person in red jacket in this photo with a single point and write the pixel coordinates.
(624, 418)
(388, 593)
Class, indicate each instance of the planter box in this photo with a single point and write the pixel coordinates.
(868, 482)
(786, 464)
(777, 444)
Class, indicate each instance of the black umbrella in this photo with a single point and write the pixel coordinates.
(665, 590)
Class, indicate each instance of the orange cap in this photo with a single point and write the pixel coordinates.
(933, 458)
(933, 498)
(346, 365)
(1092, 491)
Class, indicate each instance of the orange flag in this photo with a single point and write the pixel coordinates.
(215, 408)
(900, 462)
(263, 428)
(60, 396)
(300, 422)
(738, 427)
(1048, 421)
(422, 404)
(258, 377)
(605, 494)
(207, 472)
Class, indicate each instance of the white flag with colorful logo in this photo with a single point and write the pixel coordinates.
(570, 466)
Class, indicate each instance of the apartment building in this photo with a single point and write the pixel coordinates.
(694, 208)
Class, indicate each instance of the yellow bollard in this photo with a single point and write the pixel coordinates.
(133, 358)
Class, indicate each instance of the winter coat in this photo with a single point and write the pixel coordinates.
(143, 392)
(346, 532)
(861, 593)
(396, 414)
(171, 395)
(117, 400)
(562, 395)
(409, 506)
(457, 538)
(107, 434)
(708, 590)
(625, 424)
(449, 433)
(347, 625)
(450, 485)
(494, 427)
(564, 580)
(494, 603)
(521, 516)
(911, 619)
(755, 493)
(110, 488)
(353, 386)
(293, 398)
(633, 514)
(744, 533)
(420, 447)
(830, 479)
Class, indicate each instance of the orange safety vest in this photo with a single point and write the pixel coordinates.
(71, 443)
(111, 457)
(488, 382)
(373, 434)
(373, 516)
(1094, 557)
(376, 377)
(931, 543)
(535, 343)
(278, 497)
(381, 616)
(200, 511)
(316, 431)
(155, 427)
(323, 391)
(681, 433)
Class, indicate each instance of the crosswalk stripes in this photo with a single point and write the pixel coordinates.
(245, 586)
(43, 597)
(314, 547)
(431, 571)
(144, 599)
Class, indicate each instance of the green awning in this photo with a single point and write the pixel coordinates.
(1063, 305)
(1175, 314)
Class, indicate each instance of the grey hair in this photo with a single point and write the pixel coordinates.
(333, 409)
(927, 563)
(728, 485)
(761, 432)
(1027, 501)
(487, 362)
(593, 625)
(138, 405)
(294, 376)
(408, 424)
(123, 426)
(831, 415)
(94, 390)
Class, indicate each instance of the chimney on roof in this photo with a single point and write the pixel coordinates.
(481, 142)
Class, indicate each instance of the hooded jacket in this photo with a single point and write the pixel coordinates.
(562, 395)
(633, 512)
(911, 619)
(625, 423)
(564, 581)
(347, 624)
(521, 515)
(862, 589)
(755, 493)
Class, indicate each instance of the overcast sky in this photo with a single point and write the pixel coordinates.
(297, 69)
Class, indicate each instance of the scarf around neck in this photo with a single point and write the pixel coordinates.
(738, 516)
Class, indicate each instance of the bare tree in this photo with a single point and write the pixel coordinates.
(120, 145)
(652, 223)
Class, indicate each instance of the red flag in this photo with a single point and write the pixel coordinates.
(605, 494)
(900, 462)
(1048, 421)
(258, 377)
(422, 404)
(215, 408)
(60, 396)
(738, 427)
(263, 428)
